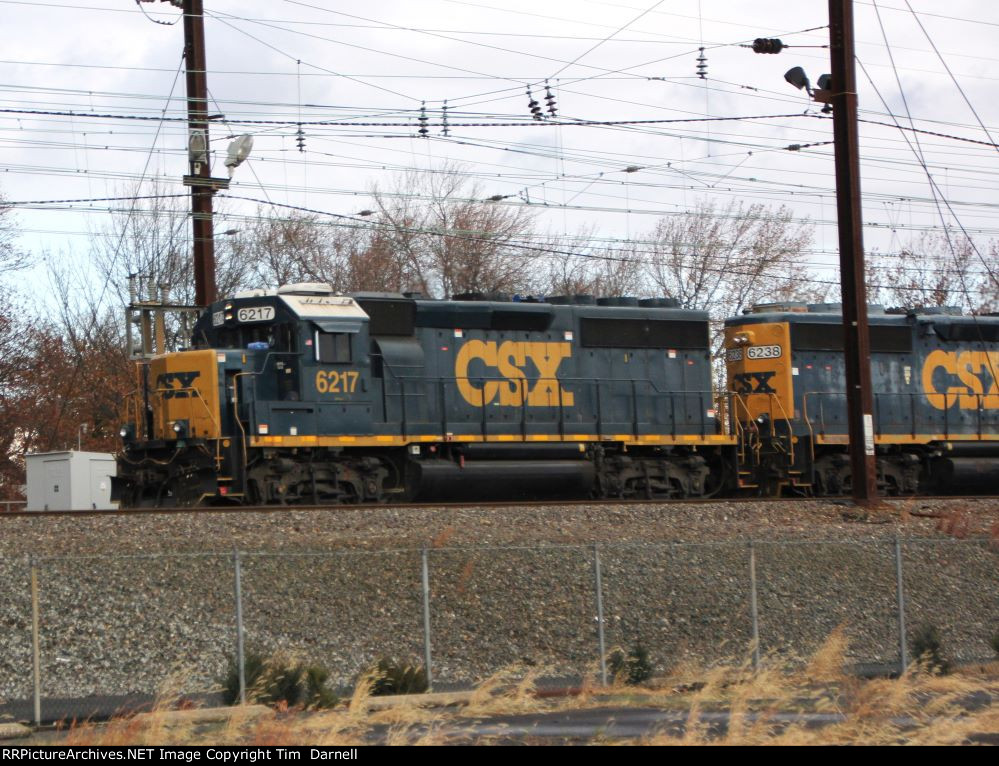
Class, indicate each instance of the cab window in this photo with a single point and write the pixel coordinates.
(332, 347)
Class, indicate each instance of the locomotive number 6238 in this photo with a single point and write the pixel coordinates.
(763, 352)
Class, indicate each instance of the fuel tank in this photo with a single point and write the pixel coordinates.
(966, 475)
(503, 479)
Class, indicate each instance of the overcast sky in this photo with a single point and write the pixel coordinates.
(288, 61)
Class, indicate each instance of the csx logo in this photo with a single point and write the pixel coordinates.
(973, 371)
(176, 385)
(508, 360)
(753, 383)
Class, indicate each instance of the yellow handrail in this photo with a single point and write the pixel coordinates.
(787, 420)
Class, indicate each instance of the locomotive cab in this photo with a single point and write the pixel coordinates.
(261, 362)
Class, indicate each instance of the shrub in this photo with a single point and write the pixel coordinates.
(995, 643)
(390, 677)
(927, 648)
(278, 680)
(632, 668)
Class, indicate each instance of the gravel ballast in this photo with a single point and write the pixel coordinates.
(141, 603)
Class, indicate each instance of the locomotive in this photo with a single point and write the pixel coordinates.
(935, 380)
(300, 396)
(297, 395)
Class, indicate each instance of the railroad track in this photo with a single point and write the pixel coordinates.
(444, 506)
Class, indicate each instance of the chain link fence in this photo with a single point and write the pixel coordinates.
(86, 635)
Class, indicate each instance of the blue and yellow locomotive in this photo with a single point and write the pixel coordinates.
(935, 378)
(298, 395)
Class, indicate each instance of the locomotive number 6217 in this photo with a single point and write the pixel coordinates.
(335, 382)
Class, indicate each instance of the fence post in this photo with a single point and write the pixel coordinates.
(36, 659)
(900, 591)
(426, 620)
(598, 584)
(240, 655)
(753, 607)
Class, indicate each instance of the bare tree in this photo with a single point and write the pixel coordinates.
(15, 359)
(724, 260)
(988, 293)
(937, 269)
(153, 239)
(445, 240)
(11, 257)
(581, 267)
(300, 247)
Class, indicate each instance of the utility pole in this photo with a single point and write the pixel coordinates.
(838, 91)
(199, 154)
(203, 184)
(856, 334)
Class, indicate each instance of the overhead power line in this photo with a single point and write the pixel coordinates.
(451, 124)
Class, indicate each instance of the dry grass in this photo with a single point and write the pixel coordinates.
(918, 708)
(759, 707)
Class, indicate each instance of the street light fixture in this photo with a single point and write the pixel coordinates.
(823, 93)
(797, 77)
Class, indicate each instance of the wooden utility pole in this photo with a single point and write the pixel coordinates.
(859, 398)
(203, 185)
(202, 188)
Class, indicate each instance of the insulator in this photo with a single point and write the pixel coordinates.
(533, 106)
(300, 138)
(767, 45)
(423, 131)
(702, 65)
(550, 101)
(445, 131)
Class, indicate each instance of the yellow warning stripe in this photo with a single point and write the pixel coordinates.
(910, 439)
(402, 441)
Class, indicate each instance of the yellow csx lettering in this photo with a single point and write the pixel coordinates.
(176, 385)
(508, 360)
(972, 369)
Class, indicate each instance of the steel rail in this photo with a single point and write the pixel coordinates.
(465, 505)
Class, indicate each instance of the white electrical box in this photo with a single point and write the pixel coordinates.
(70, 481)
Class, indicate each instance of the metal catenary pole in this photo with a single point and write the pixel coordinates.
(426, 619)
(859, 398)
(601, 640)
(753, 608)
(36, 655)
(240, 653)
(900, 592)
